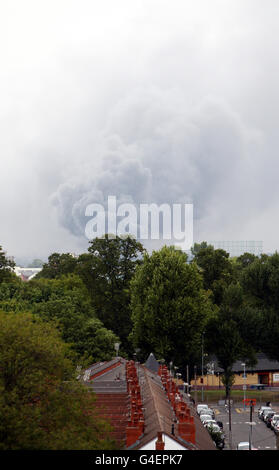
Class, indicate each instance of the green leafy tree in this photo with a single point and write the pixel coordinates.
(260, 281)
(228, 334)
(95, 342)
(255, 279)
(216, 268)
(58, 265)
(195, 249)
(6, 266)
(66, 302)
(169, 306)
(43, 406)
(106, 271)
(269, 339)
(246, 259)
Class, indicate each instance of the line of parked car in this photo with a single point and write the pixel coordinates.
(215, 428)
(269, 417)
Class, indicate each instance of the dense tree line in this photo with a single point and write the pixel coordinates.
(245, 290)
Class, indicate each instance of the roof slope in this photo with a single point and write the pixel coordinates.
(157, 410)
(140, 403)
(263, 364)
(114, 407)
(160, 416)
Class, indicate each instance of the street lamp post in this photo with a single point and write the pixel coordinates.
(251, 423)
(218, 375)
(136, 359)
(116, 347)
(244, 386)
(202, 365)
(213, 372)
(195, 377)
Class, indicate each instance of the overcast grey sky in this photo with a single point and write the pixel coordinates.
(147, 100)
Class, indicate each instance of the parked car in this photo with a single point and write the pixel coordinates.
(268, 418)
(276, 427)
(201, 407)
(217, 435)
(257, 387)
(208, 422)
(261, 410)
(207, 411)
(274, 420)
(205, 417)
(245, 446)
(266, 413)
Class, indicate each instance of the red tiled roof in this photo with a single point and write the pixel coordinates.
(114, 408)
(147, 404)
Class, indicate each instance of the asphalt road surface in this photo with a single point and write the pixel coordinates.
(263, 438)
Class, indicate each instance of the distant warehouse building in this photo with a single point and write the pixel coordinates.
(264, 374)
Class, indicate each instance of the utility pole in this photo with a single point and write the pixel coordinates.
(187, 378)
(202, 364)
(244, 386)
(251, 416)
(230, 421)
(195, 369)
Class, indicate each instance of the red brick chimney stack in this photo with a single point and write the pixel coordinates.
(160, 445)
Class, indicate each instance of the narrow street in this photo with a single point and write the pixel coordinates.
(263, 438)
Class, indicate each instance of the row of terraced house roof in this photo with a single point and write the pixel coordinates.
(145, 407)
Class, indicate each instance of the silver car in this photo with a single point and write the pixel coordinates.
(201, 408)
(205, 418)
(274, 421)
(262, 409)
(245, 446)
(207, 411)
(265, 413)
(209, 422)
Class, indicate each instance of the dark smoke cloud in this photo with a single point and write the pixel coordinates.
(155, 152)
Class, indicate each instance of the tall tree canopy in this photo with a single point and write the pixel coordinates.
(42, 405)
(66, 301)
(57, 265)
(260, 280)
(216, 267)
(170, 308)
(233, 333)
(107, 270)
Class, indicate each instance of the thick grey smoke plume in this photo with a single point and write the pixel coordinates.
(155, 150)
